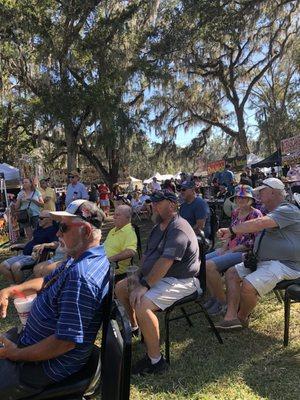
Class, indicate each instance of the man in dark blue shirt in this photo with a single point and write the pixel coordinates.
(44, 233)
(194, 209)
(67, 313)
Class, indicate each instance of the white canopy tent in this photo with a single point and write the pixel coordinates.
(159, 177)
(11, 175)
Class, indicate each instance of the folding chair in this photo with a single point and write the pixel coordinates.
(292, 295)
(86, 382)
(194, 298)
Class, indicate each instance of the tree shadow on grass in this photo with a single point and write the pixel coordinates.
(198, 360)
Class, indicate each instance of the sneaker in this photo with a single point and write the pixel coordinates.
(217, 309)
(209, 303)
(232, 325)
(144, 366)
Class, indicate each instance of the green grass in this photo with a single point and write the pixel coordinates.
(250, 365)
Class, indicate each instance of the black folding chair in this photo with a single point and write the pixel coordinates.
(194, 298)
(292, 295)
(116, 369)
(86, 382)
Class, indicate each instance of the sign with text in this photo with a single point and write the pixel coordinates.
(215, 166)
(290, 145)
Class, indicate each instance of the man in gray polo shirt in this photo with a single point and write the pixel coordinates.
(169, 266)
(277, 250)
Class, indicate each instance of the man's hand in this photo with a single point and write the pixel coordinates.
(39, 248)
(4, 296)
(9, 349)
(224, 234)
(136, 296)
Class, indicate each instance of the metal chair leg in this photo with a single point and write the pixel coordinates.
(287, 309)
(186, 317)
(212, 325)
(279, 295)
(167, 338)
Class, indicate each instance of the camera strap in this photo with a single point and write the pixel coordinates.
(259, 242)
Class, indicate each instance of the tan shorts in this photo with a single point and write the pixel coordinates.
(168, 290)
(267, 275)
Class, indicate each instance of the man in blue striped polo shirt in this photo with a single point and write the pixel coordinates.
(67, 313)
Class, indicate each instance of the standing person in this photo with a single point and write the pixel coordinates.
(227, 176)
(94, 194)
(194, 209)
(154, 185)
(30, 199)
(75, 190)
(104, 197)
(48, 195)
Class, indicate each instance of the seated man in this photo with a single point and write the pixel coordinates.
(194, 209)
(46, 267)
(45, 233)
(168, 271)
(67, 313)
(276, 249)
(121, 242)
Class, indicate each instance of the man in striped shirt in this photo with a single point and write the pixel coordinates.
(67, 313)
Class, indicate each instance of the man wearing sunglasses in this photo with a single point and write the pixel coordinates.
(46, 231)
(75, 190)
(276, 254)
(67, 313)
(169, 265)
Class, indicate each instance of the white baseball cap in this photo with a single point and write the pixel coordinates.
(272, 183)
(83, 209)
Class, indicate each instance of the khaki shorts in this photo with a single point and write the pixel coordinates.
(267, 275)
(168, 290)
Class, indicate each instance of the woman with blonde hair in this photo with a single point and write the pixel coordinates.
(28, 205)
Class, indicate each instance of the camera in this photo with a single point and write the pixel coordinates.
(250, 261)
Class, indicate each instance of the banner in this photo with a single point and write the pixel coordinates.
(237, 163)
(290, 145)
(215, 166)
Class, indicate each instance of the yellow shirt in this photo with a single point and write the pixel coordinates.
(119, 240)
(49, 192)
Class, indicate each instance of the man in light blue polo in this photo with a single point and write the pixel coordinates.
(75, 190)
(67, 313)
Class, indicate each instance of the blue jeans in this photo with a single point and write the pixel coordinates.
(226, 260)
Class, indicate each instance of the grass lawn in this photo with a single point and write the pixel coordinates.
(250, 365)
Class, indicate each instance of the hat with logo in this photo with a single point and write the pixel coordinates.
(163, 195)
(273, 183)
(83, 209)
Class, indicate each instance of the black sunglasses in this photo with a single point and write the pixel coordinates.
(63, 228)
(182, 190)
(71, 176)
(41, 218)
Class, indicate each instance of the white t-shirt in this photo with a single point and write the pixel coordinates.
(155, 186)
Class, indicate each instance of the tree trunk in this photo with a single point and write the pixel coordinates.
(242, 137)
(72, 148)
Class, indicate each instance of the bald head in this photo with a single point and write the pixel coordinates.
(122, 216)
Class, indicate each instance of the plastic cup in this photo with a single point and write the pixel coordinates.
(132, 277)
(23, 307)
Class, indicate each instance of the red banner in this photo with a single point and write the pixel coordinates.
(215, 166)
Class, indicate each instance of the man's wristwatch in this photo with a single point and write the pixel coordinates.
(144, 283)
(233, 234)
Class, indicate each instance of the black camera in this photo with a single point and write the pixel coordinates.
(250, 261)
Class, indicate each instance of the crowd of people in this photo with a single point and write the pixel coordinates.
(259, 248)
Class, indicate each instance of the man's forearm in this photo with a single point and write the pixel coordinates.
(123, 255)
(33, 286)
(254, 225)
(46, 349)
(159, 270)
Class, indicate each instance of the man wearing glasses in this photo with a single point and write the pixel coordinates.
(67, 313)
(75, 190)
(46, 231)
